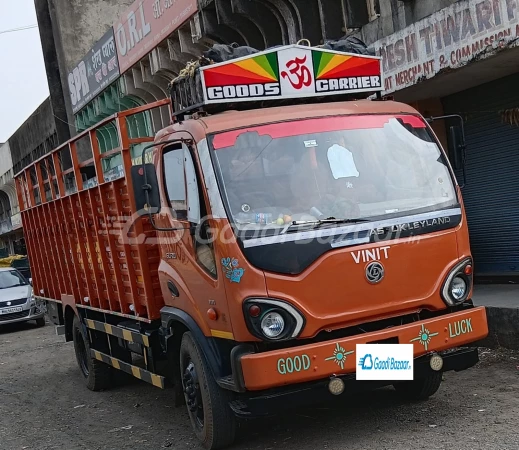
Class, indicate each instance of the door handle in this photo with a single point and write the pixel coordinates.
(173, 289)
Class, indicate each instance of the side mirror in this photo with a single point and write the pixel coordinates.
(30, 281)
(145, 189)
(456, 146)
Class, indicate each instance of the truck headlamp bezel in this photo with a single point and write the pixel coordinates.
(294, 321)
(457, 272)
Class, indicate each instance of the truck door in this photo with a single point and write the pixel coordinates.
(188, 271)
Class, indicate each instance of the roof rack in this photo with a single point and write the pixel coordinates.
(284, 75)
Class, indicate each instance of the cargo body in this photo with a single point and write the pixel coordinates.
(241, 257)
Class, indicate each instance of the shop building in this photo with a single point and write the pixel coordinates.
(464, 59)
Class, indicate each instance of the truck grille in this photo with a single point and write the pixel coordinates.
(20, 301)
(14, 316)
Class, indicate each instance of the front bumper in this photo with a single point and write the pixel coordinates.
(261, 371)
(257, 404)
(31, 310)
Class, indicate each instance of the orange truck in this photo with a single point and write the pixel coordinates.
(240, 241)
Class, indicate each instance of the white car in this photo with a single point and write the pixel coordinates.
(17, 302)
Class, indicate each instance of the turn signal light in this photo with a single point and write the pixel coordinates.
(468, 270)
(212, 314)
(254, 311)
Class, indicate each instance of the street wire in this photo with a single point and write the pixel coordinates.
(12, 30)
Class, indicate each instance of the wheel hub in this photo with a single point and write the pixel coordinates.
(191, 388)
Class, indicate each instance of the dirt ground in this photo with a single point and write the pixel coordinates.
(44, 405)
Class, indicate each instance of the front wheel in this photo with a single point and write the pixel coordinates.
(40, 322)
(420, 389)
(97, 374)
(207, 404)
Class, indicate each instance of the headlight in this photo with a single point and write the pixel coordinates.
(456, 286)
(272, 319)
(272, 325)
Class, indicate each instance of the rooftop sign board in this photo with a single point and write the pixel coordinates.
(289, 72)
(145, 24)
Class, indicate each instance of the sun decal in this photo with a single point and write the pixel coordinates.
(424, 337)
(339, 356)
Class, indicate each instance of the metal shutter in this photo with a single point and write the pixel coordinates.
(492, 192)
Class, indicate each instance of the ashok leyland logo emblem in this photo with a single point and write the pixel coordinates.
(374, 272)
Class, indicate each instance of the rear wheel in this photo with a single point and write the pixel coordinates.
(207, 404)
(97, 374)
(40, 322)
(420, 389)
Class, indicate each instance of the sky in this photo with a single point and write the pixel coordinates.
(23, 82)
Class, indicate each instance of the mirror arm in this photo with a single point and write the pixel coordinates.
(462, 147)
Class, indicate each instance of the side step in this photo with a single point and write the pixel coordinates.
(137, 372)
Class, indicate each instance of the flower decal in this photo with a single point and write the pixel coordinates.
(339, 355)
(232, 270)
(424, 337)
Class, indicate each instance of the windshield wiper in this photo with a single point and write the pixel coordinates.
(320, 222)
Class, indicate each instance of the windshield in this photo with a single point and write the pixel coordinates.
(347, 167)
(11, 278)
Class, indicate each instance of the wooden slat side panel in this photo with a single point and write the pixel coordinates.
(42, 244)
(123, 247)
(109, 213)
(56, 251)
(80, 250)
(72, 274)
(77, 240)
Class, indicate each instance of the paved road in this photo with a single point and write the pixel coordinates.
(43, 406)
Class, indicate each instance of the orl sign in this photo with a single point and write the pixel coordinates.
(289, 72)
(450, 38)
(94, 72)
(146, 24)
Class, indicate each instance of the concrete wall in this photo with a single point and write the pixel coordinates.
(36, 137)
(82, 23)
(6, 177)
(6, 163)
(396, 15)
(68, 30)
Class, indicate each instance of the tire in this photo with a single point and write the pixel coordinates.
(420, 389)
(40, 322)
(207, 404)
(97, 375)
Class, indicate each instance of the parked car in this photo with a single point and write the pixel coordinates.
(17, 302)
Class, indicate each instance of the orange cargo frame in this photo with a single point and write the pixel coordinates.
(75, 246)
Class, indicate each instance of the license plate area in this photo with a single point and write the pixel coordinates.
(11, 310)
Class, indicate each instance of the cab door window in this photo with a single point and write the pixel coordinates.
(175, 182)
(182, 190)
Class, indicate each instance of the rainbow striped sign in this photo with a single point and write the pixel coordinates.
(289, 72)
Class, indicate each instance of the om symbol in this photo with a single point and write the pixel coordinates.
(301, 73)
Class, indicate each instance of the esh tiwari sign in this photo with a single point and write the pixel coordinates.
(449, 38)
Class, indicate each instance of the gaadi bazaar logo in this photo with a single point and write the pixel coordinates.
(289, 72)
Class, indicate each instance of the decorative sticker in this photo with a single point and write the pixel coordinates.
(232, 270)
(339, 356)
(424, 337)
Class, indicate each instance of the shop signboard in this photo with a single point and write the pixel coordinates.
(448, 39)
(94, 73)
(145, 24)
